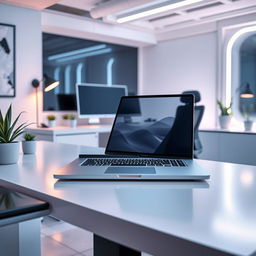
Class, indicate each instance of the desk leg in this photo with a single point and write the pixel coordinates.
(104, 247)
(21, 239)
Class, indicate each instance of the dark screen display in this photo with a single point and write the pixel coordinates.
(163, 126)
(99, 100)
(13, 204)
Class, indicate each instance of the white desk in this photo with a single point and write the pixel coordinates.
(85, 135)
(161, 218)
(228, 146)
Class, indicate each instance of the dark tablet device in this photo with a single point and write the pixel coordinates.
(13, 204)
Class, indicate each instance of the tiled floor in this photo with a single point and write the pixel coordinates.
(59, 238)
(62, 239)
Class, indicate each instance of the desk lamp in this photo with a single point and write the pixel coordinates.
(247, 92)
(49, 84)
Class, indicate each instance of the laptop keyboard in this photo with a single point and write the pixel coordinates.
(133, 162)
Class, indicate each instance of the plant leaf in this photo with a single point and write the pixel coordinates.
(19, 131)
(8, 119)
(9, 132)
(1, 117)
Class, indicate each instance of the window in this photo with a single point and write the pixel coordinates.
(78, 60)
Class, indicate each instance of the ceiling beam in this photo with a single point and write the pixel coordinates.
(221, 16)
(219, 12)
(31, 4)
(69, 25)
(114, 6)
(179, 9)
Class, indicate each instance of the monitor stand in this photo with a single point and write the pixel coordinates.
(94, 121)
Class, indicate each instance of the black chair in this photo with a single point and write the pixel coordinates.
(198, 115)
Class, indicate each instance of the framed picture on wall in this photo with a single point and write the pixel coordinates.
(7, 60)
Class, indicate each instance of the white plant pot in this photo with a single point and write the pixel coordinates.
(51, 123)
(73, 123)
(9, 152)
(248, 125)
(29, 147)
(224, 121)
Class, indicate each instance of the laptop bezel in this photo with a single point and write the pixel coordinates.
(152, 155)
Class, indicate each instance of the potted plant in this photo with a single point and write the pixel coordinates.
(225, 115)
(51, 120)
(65, 118)
(9, 148)
(29, 144)
(72, 121)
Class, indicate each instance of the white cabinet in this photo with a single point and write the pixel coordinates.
(88, 135)
(90, 139)
(227, 146)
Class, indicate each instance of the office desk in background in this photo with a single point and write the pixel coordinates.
(228, 146)
(84, 135)
(160, 218)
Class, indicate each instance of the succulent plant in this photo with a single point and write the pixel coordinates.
(51, 117)
(29, 137)
(65, 117)
(72, 117)
(225, 110)
(8, 130)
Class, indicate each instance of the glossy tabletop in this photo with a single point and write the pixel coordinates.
(185, 217)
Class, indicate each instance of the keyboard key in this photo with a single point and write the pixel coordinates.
(132, 162)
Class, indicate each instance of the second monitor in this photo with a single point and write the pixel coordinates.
(98, 100)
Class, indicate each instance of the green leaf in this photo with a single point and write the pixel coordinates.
(8, 130)
(19, 131)
(8, 119)
(1, 117)
(9, 133)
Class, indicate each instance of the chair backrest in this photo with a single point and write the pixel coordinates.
(199, 112)
(198, 115)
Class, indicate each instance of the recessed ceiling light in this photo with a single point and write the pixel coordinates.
(156, 10)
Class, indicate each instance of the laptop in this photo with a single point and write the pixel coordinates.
(151, 139)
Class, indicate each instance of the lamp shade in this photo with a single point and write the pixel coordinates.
(49, 83)
(247, 92)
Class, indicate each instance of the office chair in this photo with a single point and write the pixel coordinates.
(198, 115)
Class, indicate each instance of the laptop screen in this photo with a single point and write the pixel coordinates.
(154, 126)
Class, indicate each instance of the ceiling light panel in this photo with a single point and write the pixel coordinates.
(155, 10)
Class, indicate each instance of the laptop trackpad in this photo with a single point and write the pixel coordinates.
(130, 170)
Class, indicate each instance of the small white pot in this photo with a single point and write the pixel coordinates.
(248, 125)
(29, 147)
(73, 123)
(224, 121)
(9, 152)
(51, 123)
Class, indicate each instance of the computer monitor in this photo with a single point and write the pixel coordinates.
(98, 100)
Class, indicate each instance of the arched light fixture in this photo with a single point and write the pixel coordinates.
(229, 49)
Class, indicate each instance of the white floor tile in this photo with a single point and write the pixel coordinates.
(51, 229)
(76, 238)
(50, 247)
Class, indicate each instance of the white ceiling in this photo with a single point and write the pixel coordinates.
(197, 13)
(108, 11)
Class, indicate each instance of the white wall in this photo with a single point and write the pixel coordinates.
(28, 57)
(188, 63)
